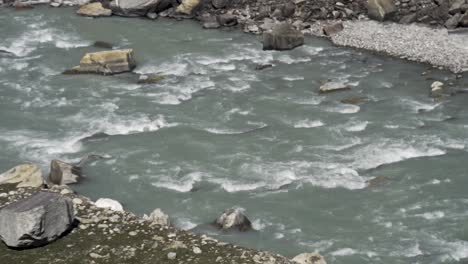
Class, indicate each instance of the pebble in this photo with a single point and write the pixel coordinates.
(171, 255)
(3, 195)
(197, 250)
(77, 201)
(65, 191)
(132, 233)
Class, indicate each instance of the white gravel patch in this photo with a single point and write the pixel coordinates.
(413, 42)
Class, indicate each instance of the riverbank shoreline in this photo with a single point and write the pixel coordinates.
(423, 41)
(102, 235)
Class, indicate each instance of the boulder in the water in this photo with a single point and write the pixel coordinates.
(227, 20)
(94, 10)
(62, 173)
(232, 219)
(109, 204)
(24, 175)
(381, 9)
(132, 8)
(260, 67)
(36, 221)
(151, 78)
(106, 62)
(157, 217)
(309, 258)
(103, 45)
(282, 37)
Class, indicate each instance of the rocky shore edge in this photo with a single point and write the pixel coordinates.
(427, 31)
(50, 223)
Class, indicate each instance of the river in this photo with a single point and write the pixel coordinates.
(216, 133)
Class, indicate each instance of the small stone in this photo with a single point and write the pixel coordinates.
(95, 256)
(171, 255)
(3, 195)
(77, 201)
(65, 191)
(132, 233)
(197, 250)
(103, 226)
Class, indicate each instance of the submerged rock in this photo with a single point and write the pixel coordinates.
(105, 62)
(437, 89)
(381, 9)
(36, 221)
(133, 8)
(283, 37)
(309, 258)
(149, 79)
(94, 10)
(333, 87)
(109, 204)
(379, 180)
(260, 67)
(233, 219)
(187, 7)
(25, 175)
(157, 217)
(62, 173)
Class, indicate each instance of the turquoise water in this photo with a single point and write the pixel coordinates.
(215, 134)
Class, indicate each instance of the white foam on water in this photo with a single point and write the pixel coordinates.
(432, 215)
(387, 152)
(310, 100)
(356, 126)
(416, 106)
(306, 123)
(40, 147)
(312, 50)
(184, 184)
(412, 251)
(332, 176)
(290, 60)
(344, 252)
(453, 250)
(293, 78)
(343, 109)
(29, 40)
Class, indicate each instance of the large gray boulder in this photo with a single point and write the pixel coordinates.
(282, 37)
(36, 221)
(157, 217)
(133, 8)
(232, 219)
(105, 62)
(62, 173)
(380, 9)
(24, 175)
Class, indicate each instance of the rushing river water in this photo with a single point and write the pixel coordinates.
(215, 133)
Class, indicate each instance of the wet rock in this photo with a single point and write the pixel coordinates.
(355, 100)
(233, 219)
(453, 21)
(456, 6)
(109, 204)
(105, 62)
(379, 180)
(227, 20)
(158, 217)
(152, 15)
(149, 79)
(381, 9)
(133, 8)
(218, 4)
(333, 87)
(7, 53)
(62, 173)
(96, 136)
(260, 67)
(437, 89)
(332, 29)
(35, 221)
(213, 24)
(94, 10)
(188, 7)
(103, 45)
(309, 258)
(283, 37)
(24, 175)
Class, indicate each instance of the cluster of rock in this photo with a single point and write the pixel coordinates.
(35, 214)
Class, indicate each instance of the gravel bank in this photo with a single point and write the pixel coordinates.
(412, 42)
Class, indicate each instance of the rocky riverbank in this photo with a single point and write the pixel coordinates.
(432, 22)
(99, 234)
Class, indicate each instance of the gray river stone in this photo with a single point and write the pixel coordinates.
(35, 221)
(283, 37)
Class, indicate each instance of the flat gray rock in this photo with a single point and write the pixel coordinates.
(36, 221)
